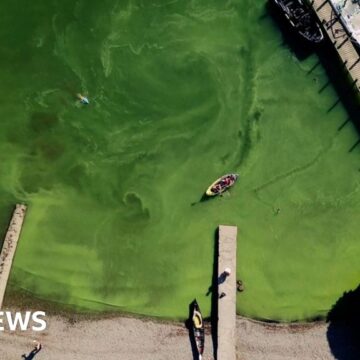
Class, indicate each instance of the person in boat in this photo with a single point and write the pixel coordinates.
(217, 188)
(225, 182)
(197, 320)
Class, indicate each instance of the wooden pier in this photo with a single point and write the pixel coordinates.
(226, 293)
(340, 38)
(9, 247)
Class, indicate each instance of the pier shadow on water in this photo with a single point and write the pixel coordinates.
(213, 291)
(346, 91)
(338, 79)
(343, 332)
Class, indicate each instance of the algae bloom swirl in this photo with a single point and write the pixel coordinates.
(181, 92)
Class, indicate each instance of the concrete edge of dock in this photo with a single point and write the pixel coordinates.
(9, 247)
(226, 327)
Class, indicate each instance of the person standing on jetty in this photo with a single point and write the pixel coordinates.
(224, 275)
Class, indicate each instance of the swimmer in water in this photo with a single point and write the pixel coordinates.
(83, 99)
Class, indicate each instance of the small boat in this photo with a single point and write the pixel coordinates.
(222, 184)
(198, 328)
(83, 99)
(301, 18)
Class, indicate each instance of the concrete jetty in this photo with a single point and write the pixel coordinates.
(227, 293)
(340, 38)
(9, 247)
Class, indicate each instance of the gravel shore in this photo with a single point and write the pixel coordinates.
(132, 339)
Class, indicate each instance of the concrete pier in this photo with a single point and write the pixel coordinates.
(341, 40)
(227, 293)
(9, 247)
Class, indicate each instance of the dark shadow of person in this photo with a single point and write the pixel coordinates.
(343, 332)
(32, 354)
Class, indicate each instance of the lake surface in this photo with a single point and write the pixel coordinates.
(180, 92)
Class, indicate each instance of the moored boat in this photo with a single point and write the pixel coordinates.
(198, 328)
(301, 18)
(222, 184)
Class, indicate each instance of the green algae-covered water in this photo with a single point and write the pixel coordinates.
(181, 92)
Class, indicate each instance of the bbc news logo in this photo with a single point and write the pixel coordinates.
(23, 321)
